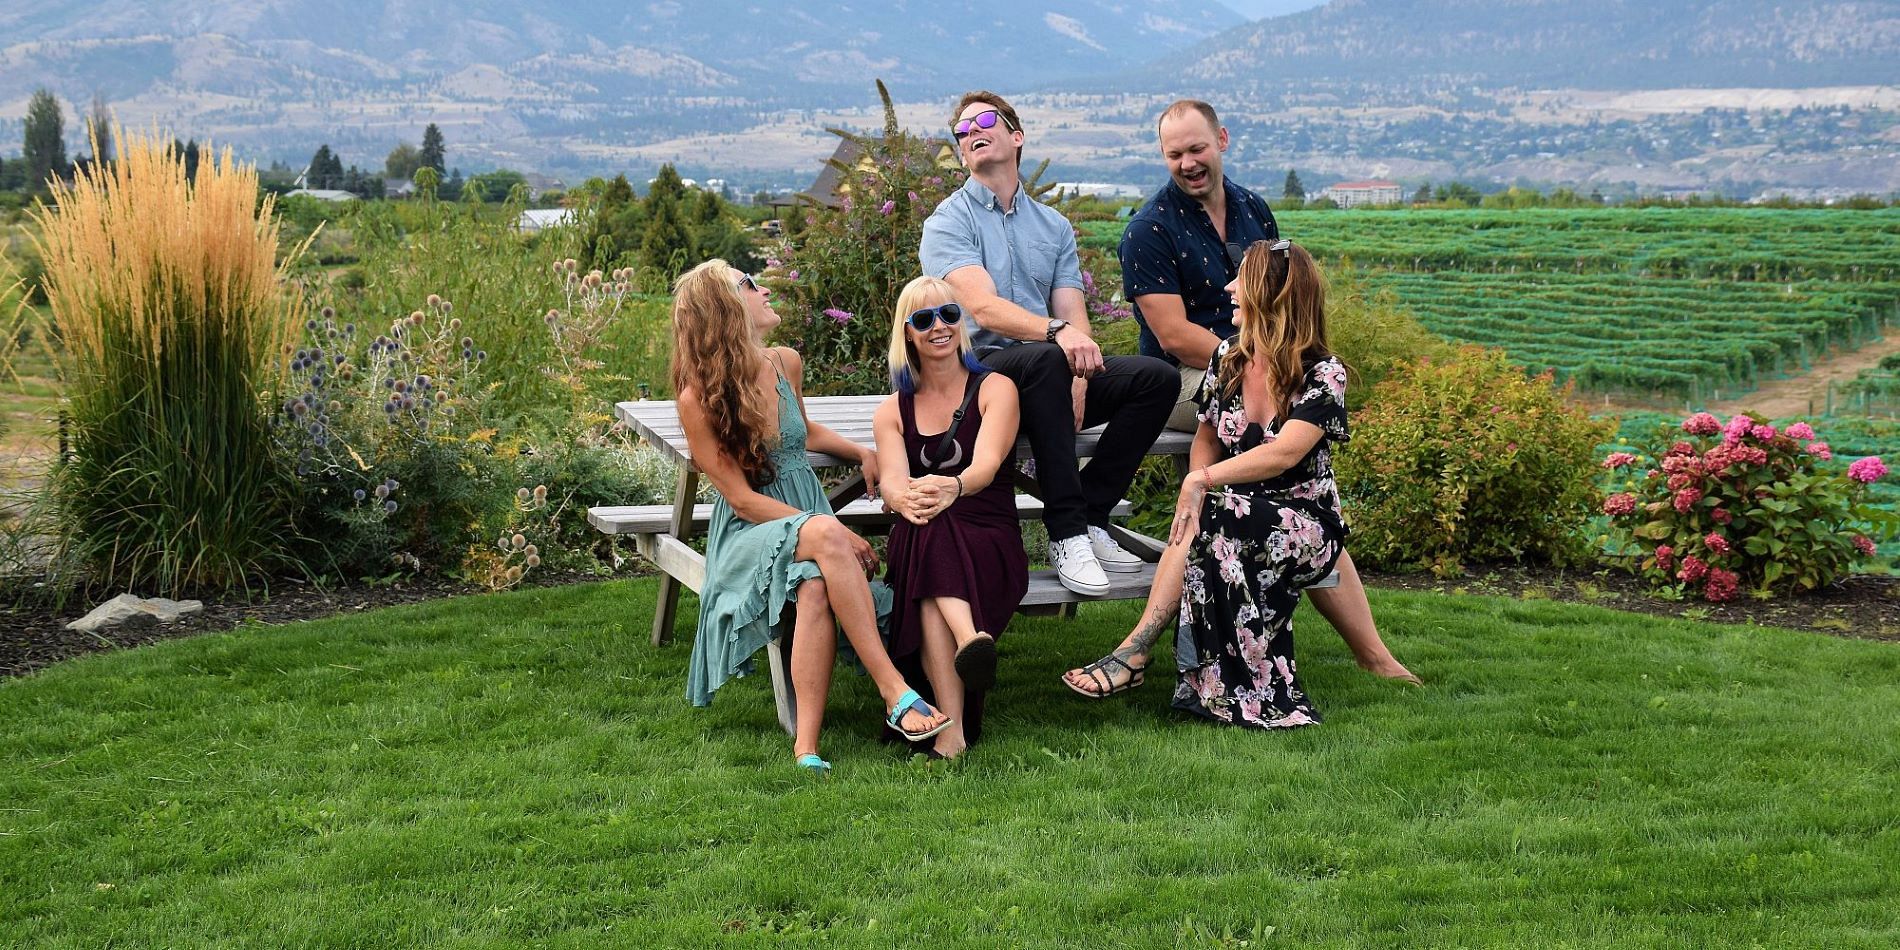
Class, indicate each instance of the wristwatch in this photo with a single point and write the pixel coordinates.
(1055, 327)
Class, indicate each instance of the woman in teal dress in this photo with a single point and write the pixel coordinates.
(777, 562)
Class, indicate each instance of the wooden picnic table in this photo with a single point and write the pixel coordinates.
(661, 532)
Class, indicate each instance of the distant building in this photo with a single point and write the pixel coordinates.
(323, 194)
(538, 183)
(1352, 194)
(399, 188)
(540, 219)
(1096, 189)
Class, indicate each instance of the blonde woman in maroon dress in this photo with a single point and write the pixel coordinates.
(946, 453)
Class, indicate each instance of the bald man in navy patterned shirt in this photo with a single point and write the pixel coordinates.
(1178, 255)
(1175, 255)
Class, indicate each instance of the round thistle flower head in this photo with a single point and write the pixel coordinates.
(518, 542)
(435, 300)
(446, 306)
(481, 356)
(455, 324)
(552, 317)
(559, 267)
(521, 494)
(468, 342)
(359, 494)
(572, 265)
(534, 560)
(415, 316)
(540, 493)
(389, 507)
(329, 313)
(310, 324)
(382, 491)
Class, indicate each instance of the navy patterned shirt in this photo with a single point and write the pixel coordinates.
(1171, 247)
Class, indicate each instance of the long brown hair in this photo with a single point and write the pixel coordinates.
(714, 355)
(1284, 296)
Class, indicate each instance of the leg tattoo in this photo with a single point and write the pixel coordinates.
(1142, 641)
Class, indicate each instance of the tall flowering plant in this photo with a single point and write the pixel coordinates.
(1719, 506)
(836, 284)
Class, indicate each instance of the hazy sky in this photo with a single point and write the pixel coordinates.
(1255, 9)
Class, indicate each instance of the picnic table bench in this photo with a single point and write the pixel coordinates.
(661, 533)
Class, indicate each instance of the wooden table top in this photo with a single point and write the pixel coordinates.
(658, 422)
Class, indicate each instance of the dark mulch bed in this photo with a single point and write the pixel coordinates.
(1862, 607)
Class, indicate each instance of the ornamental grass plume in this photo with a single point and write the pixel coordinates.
(173, 310)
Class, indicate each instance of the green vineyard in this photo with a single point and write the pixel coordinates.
(1696, 339)
(1677, 303)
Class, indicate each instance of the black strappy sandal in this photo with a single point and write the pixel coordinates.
(1099, 675)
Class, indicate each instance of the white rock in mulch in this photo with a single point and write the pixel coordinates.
(131, 610)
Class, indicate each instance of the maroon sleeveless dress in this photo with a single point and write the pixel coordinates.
(972, 552)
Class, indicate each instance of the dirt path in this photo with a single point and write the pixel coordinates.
(1799, 395)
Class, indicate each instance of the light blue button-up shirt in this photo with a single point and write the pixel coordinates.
(1028, 250)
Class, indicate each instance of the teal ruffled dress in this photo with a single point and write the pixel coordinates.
(752, 577)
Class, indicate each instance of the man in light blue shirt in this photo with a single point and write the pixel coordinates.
(1013, 263)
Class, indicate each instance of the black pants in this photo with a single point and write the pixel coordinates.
(1133, 394)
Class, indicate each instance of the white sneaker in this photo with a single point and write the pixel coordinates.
(1113, 557)
(1076, 568)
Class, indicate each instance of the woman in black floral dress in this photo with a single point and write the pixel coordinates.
(1257, 520)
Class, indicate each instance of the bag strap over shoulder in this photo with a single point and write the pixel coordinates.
(970, 387)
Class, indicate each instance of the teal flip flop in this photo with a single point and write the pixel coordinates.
(816, 765)
(907, 702)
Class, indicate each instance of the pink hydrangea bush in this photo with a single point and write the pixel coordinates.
(1719, 505)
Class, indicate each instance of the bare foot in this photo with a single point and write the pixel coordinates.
(1391, 669)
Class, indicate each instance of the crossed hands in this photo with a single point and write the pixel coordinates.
(925, 498)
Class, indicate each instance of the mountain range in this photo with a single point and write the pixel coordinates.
(1602, 44)
(804, 52)
(1439, 87)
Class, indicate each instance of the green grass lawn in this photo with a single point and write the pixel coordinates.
(521, 770)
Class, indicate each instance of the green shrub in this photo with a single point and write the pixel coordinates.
(1464, 459)
(170, 308)
(502, 284)
(1743, 503)
(385, 430)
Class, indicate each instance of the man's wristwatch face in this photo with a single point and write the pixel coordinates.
(1055, 327)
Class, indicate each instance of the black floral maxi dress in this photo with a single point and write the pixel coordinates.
(1258, 545)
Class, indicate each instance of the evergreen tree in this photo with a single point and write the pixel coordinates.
(191, 160)
(667, 246)
(1294, 190)
(99, 130)
(618, 225)
(1423, 196)
(325, 171)
(452, 188)
(44, 149)
(434, 153)
(667, 186)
